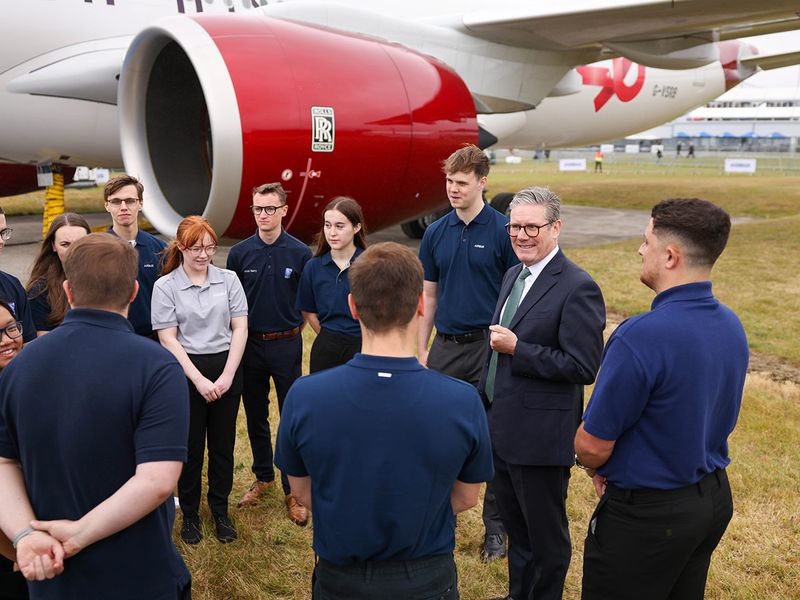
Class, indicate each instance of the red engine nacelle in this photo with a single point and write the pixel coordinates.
(212, 106)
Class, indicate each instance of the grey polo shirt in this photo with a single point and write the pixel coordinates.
(202, 313)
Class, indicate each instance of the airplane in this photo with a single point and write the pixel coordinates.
(204, 99)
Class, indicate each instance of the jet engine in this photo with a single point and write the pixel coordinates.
(212, 106)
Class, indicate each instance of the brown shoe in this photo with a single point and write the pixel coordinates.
(297, 512)
(253, 495)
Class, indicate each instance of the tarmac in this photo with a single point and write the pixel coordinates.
(583, 226)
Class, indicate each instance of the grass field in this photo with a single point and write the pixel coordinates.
(759, 558)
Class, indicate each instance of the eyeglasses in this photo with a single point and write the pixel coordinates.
(6, 233)
(530, 230)
(270, 210)
(129, 202)
(198, 250)
(13, 331)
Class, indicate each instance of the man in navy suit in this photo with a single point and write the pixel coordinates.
(546, 340)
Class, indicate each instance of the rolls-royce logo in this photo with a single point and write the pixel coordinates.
(322, 129)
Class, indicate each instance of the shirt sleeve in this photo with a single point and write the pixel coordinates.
(40, 306)
(305, 290)
(479, 465)
(162, 307)
(162, 430)
(8, 441)
(427, 259)
(23, 311)
(237, 301)
(287, 454)
(620, 394)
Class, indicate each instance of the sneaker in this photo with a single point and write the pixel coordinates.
(494, 547)
(190, 531)
(253, 495)
(226, 532)
(297, 512)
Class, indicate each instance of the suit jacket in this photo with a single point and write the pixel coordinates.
(538, 391)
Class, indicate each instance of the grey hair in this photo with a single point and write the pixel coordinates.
(542, 196)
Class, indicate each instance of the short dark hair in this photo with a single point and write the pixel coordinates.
(120, 182)
(469, 159)
(386, 283)
(702, 227)
(271, 188)
(101, 270)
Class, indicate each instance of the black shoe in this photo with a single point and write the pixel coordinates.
(494, 547)
(226, 532)
(190, 532)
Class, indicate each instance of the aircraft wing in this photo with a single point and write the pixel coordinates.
(774, 61)
(634, 28)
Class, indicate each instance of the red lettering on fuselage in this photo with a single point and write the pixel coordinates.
(613, 85)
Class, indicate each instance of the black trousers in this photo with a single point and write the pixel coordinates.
(430, 578)
(465, 362)
(332, 349)
(532, 502)
(217, 421)
(280, 360)
(655, 544)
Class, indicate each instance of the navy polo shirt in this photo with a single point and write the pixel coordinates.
(39, 302)
(13, 293)
(324, 290)
(383, 440)
(150, 250)
(120, 400)
(270, 275)
(468, 262)
(669, 390)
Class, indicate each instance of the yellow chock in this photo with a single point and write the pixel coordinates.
(53, 201)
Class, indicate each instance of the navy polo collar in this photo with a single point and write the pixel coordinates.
(682, 293)
(280, 242)
(385, 363)
(327, 259)
(99, 317)
(482, 218)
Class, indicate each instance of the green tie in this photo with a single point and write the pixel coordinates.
(508, 313)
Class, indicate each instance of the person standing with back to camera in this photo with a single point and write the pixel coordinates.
(324, 285)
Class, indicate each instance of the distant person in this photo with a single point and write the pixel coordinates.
(654, 436)
(124, 196)
(269, 265)
(93, 424)
(11, 289)
(324, 285)
(598, 161)
(200, 314)
(678, 148)
(690, 153)
(12, 582)
(546, 341)
(384, 451)
(659, 155)
(46, 295)
(465, 254)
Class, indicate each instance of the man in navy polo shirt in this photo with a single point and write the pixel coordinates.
(11, 289)
(465, 255)
(654, 436)
(391, 450)
(124, 196)
(95, 455)
(269, 264)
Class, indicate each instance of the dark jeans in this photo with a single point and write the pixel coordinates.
(430, 578)
(281, 360)
(465, 362)
(655, 544)
(332, 349)
(217, 420)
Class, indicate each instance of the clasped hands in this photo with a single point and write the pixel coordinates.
(41, 554)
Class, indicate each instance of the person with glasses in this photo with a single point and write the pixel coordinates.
(12, 582)
(46, 284)
(124, 196)
(11, 290)
(269, 264)
(545, 344)
(465, 254)
(200, 314)
(324, 286)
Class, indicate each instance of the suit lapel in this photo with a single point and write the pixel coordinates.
(547, 279)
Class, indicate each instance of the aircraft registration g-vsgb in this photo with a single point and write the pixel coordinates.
(203, 99)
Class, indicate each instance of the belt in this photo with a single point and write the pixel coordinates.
(712, 480)
(464, 338)
(274, 335)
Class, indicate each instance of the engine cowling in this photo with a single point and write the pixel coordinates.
(212, 106)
